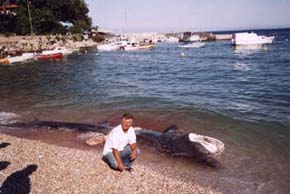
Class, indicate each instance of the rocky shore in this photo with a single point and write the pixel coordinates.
(14, 45)
(28, 166)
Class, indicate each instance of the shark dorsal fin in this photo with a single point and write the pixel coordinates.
(171, 127)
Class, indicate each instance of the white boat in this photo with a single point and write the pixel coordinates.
(123, 46)
(22, 58)
(171, 39)
(194, 37)
(114, 46)
(193, 45)
(246, 38)
(62, 50)
(133, 46)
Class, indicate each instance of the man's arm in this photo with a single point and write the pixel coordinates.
(133, 154)
(120, 164)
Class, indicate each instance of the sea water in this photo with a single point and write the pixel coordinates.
(238, 95)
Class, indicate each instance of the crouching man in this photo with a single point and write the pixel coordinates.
(121, 149)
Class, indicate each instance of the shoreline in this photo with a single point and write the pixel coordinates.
(70, 170)
(14, 45)
(244, 163)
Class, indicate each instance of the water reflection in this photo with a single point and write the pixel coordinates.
(249, 49)
(242, 67)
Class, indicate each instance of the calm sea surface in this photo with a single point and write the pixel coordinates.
(241, 96)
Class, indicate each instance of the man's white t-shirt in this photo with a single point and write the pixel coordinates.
(118, 139)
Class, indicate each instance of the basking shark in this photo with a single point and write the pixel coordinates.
(177, 143)
(172, 140)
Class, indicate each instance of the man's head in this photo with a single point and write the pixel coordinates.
(127, 121)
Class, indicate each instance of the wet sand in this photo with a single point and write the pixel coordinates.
(44, 168)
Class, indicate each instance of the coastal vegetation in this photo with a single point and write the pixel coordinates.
(44, 17)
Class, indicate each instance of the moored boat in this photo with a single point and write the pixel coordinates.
(194, 37)
(55, 56)
(17, 59)
(114, 46)
(63, 50)
(193, 45)
(133, 46)
(4, 61)
(124, 46)
(171, 39)
(246, 38)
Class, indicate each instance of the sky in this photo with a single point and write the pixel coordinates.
(122, 16)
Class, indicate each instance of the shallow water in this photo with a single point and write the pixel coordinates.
(240, 96)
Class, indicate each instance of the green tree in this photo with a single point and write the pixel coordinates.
(47, 16)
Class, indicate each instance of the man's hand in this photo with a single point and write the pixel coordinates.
(120, 164)
(134, 148)
(133, 154)
(121, 167)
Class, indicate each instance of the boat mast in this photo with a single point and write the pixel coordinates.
(124, 28)
(29, 15)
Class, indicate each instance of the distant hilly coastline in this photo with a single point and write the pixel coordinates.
(266, 30)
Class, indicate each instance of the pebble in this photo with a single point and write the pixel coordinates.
(68, 170)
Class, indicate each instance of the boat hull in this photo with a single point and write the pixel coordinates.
(18, 59)
(193, 45)
(111, 46)
(62, 50)
(4, 61)
(141, 47)
(56, 56)
(250, 39)
(108, 48)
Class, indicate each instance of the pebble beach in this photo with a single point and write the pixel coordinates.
(29, 166)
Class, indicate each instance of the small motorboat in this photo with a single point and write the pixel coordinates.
(4, 61)
(114, 46)
(171, 39)
(18, 59)
(193, 45)
(62, 50)
(194, 38)
(133, 46)
(246, 38)
(55, 56)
